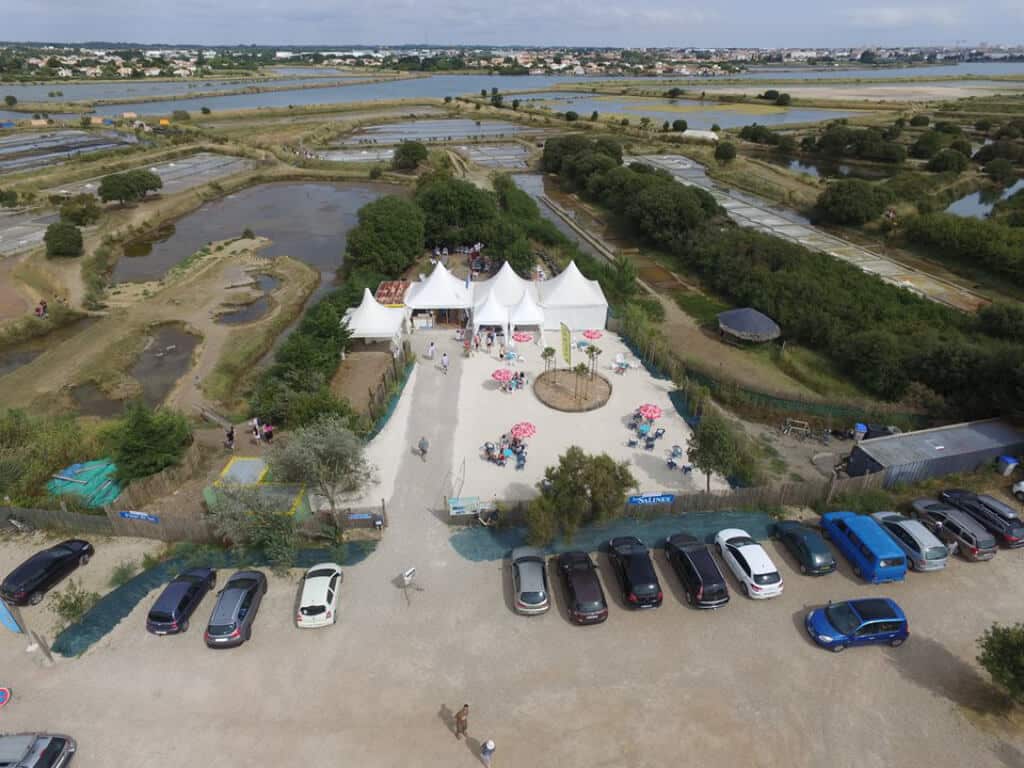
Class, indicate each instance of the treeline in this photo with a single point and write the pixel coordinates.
(840, 140)
(981, 243)
(891, 342)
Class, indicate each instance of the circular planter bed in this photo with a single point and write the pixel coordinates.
(561, 391)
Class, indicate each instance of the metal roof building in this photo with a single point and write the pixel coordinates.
(913, 456)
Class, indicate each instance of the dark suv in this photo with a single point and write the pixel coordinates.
(586, 597)
(956, 529)
(633, 566)
(235, 610)
(703, 584)
(171, 611)
(995, 516)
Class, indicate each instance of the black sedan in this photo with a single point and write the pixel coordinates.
(632, 563)
(29, 582)
(179, 600)
(586, 598)
(807, 546)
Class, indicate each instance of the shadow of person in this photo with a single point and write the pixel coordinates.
(447, 717)
(473, 745)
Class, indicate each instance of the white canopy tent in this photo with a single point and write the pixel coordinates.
(526, 313)
(491, 312)
(442, 290)
(572, 299)
(373, 321)
(506, 285)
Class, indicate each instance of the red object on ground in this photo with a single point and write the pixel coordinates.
(522, 337)
(523, 430)
(592, 334)
(502, 374)
(649, 411)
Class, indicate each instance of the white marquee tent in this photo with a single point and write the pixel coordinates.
(373, 321)
(526, 313)
(442, 290)
(572, 299)
(506, 285)
(491, 311)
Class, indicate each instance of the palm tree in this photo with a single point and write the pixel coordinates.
(581, 371)
(548, 355)
(593, 352)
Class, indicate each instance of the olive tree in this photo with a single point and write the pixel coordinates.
(713, 446)
(252, 521)
(1002, 656)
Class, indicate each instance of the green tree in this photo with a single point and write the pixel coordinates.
(571, 116)
(483, 93)
(447, 99)
(548, 356)
(408, 156)
(82, 210)
(1002, 656)
(713, 446)
(497, 100)
(853, 201)
(180, 116)
(582, 489)
(926, 146)
(594, 116)
(205, 110)
(252, 521)
(145, 441)
(143, 181)
(516, 103)
(783, 100)
(1001, 171)
(388, 237)
(63, 238)
(325, 456)
(679, 126)
(948, 160)
(456, 211)
(920, 121)
(10, 101)
(725, 151)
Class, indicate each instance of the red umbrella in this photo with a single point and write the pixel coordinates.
(522, 337)
(523, 429)
(649, 411)
(592, 334)
(502, 374)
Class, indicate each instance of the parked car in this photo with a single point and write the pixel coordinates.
(1018, 491)
(587, 604)
(960, 532)
(632, 565)
(749, 563)
(179, 600)
(866, 621)
(875, 557)
(29, 582)
(807, 546)
(235, 610)
(703, 583)
(995, 516)
(36, 750)
(318, 605)
(923, 549)
(530, 581)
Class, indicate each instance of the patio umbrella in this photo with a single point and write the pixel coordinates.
(592, 334)
(649, 411)
(502, 374)
(523, 430)
(520, 336)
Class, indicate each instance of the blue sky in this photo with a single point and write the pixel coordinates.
(525, 22)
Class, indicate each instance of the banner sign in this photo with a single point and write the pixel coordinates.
(128, 515)
(467, 505)
(566, 344)
(652, 498)
(8, 619)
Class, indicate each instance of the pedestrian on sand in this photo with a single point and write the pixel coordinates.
(431, 350)
(487, 752)
(462, 721)
(476, 342)
(444, 363)
(423, 447)
(501, 351)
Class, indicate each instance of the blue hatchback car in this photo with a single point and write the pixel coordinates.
(868, 621)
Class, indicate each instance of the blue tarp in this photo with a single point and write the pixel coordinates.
(748, 324)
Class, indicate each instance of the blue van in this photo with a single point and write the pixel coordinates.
(875, 557)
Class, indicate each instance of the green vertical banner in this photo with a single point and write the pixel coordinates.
(566, 345)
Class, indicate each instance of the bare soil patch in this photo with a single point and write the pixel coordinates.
(562, 391)
(360, 372)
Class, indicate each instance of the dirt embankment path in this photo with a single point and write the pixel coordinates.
(192, 296)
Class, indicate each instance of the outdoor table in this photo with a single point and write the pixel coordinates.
(643, 429)
(507, 453)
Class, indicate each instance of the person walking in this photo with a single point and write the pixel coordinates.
(268, 433)
(462, 721)
(229, 437)
(431, 351)
(423, 447)
(256, 432)
(444, 363)
(487, 752)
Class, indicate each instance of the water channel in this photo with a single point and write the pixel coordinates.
(978, 205)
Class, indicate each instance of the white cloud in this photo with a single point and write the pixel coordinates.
(904, 16)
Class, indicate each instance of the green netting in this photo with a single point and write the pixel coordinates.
(93, 481)
(108, 612)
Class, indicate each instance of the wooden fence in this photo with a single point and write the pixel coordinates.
(59, 519)
(138, 493)
(380, 395)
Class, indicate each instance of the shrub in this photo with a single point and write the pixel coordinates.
(73, 603)
(852, 201)
(123, 573)
(145, 441)
(919, 121)
(408, 156)
(927, 145)
(8, 198)
(769, 95)
(377, 171)
(593, 116)
(1002, 656)
(63, 239)
(571, 116)
(248, 234)
(180, 115)
(948, 160)
(81, 210)
(783, 100)
(205, 110)
(10, 101)
(725, 151)
(1001, 171)
(253, 521)
(983, 125)
(679, 126)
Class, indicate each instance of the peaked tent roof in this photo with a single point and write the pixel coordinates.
(508, 286)
(748, 324)
(442, 290)
(490, 311)
(571, 289)
(370, 320)
(527, 312)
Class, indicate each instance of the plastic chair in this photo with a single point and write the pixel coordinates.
(671, 464)
(659, 433)
(649, 444)
(677, 451)
(632, 442)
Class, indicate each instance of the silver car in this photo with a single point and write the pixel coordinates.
(36, 750)
(530, 581)
(924, 551)
(958, 530)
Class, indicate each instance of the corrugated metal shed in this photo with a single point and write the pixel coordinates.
(914, 456)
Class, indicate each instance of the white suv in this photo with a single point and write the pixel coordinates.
(758, 577)
(1018, 491)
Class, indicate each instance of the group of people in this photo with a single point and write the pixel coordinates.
(41, 311)
(258, 432)
(462, 729)
(507, 448)
(518, 381)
